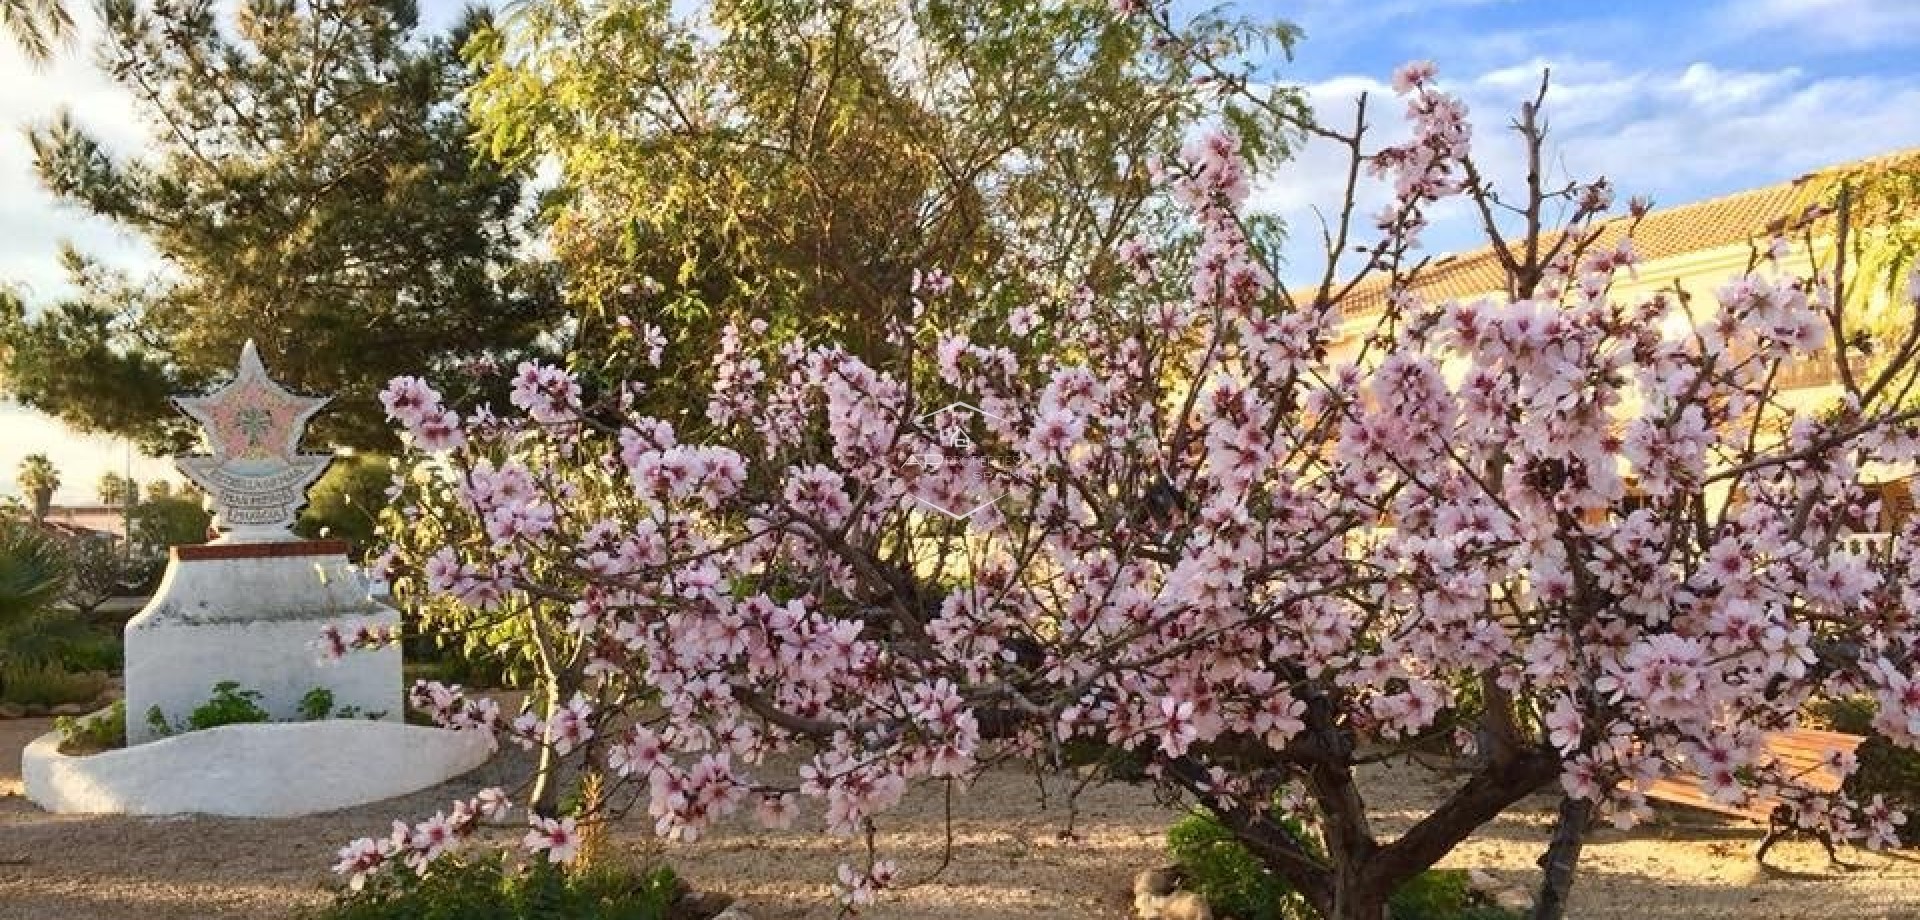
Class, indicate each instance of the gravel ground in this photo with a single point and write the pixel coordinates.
(1010, 858)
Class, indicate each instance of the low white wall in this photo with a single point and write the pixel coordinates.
(253, 770)
(175, 665)
(256, 622)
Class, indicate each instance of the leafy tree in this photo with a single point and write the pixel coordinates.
(115, 489)
(38, 479)
(159, 489)
(36, 26)
(101, 569)
(800, 160)
(310, 186)
(158, 523)
(346, 502)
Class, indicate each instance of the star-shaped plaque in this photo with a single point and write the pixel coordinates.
(256, 474)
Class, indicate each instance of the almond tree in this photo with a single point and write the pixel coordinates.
(1164, 535)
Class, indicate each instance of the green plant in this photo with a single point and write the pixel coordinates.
(96, 651)
(49, 684)
(98, 732)
(34, 573)
(1886, 769)
(157, 721)
(483, 888)
(1222, 870)
(317, 704)
(230, 705)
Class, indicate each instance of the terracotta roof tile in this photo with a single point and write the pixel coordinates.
(1737, 218)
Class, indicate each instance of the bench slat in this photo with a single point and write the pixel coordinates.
(1799, 751)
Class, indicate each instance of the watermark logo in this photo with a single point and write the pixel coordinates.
(951, 434)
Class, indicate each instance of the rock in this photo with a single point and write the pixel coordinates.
(1185, 905)
(1500, 893)
(70, 709)
(12, 711)
(35, 710)
(736, 912)
(1152, 888)
(1159, 882)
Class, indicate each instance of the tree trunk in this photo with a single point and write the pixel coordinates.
(1358, 901)
(1562, 856)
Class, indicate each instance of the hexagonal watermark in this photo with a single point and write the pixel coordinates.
(953, 428)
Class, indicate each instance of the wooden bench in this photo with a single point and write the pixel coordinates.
(1804, 754)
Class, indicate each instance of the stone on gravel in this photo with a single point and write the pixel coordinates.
(733, 913)
(1185, 905)
(70, 709)
(1159, 882)
(12, 711)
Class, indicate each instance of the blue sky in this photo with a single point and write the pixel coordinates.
(1679, 101)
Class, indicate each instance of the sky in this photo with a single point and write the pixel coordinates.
(1678, 101)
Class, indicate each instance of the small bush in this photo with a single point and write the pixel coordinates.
(96, 651)
(230, 705)
(91, 734)
(49, 684)
(1219, 868)
(317, 704)
(1886, 769)
(483, 888)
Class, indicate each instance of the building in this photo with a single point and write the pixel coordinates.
(1693, 248)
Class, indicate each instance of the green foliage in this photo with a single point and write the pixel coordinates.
(313, 188)
(157, 721)
(99, 732)
(229, 705)
(1221, 869)
(482, 888)
(34, 575)
(94, 651)
(100, 569)
(346, 503)
(38, 481)
(774, 159)
(36, 27)
(48, 684)
(1885, 769)
(117, 490)
(1233, 881)
(169, 521)
(317, 704)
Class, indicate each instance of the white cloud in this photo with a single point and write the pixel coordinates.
(1677, 134)
(1839, 25)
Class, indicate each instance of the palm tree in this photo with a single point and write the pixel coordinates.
(33, 580)
(36, 26)
(38, 478)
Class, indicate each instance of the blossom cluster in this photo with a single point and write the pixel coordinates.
(1197, 532)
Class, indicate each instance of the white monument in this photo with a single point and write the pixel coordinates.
(251, 608)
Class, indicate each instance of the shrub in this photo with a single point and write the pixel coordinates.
(95, 651)
(483, 888)
(316, 704)
(49, 684)
(230, 705)
(90, 734)
(1217, 867)
(1885, 769)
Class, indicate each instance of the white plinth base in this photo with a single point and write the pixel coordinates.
(255, 770)
(256, 619)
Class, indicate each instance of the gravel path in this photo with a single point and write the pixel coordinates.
(1010, 858)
